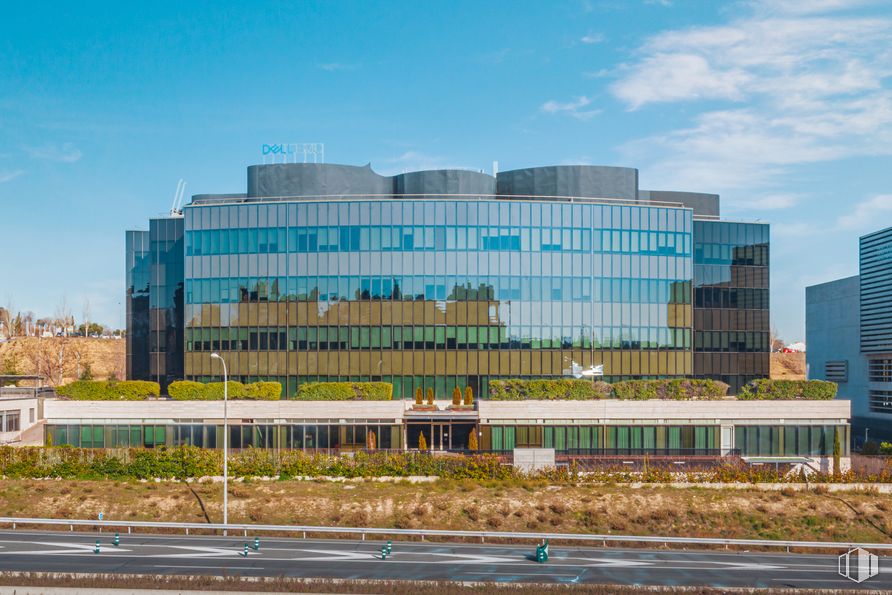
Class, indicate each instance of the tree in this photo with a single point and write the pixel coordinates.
(469, 396)
(419, 396)
(63, 318)
(94, 328)
(472, 440)
(7, 315)
(422, 443)
(776, 342)
(86, 313)
(456, 396)
(836, 453)
(10, 367)
(430, 396)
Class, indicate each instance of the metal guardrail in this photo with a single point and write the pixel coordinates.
(422, 533)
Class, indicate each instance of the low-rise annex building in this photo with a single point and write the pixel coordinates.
(800, 431)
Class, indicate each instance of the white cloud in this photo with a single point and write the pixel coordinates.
(571, 108)
(7, 175)
(785, 87)
(664, 3)
(674, 77)
(412, 160)
(868, 214)
(772, 202)
(592, 38)
(65, 152)
(808, 6)
(337, 66)
(799, 229)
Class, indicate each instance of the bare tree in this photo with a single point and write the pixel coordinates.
(63, 316)
(50, 358)
(7, 316)
(775, 342)
(86, 321)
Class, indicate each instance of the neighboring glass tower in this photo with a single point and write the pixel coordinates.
(166, 300)
(138, 271)
(731, 314)
(155, 281)
(439, 278)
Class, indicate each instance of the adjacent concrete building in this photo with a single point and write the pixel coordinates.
(849, 337)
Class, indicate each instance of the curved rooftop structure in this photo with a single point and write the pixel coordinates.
(293, 181)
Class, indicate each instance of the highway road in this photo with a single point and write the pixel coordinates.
(350, 559)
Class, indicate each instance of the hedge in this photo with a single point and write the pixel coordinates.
(109, 390)
(682, 389)
(187, 390)
(580, 390)
(184, 462)
(192, 462)
(345, 391)
(547, 390)
(765, 389)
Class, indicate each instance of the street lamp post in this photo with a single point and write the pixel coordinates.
(225, 442)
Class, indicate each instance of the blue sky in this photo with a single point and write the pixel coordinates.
(782, 107)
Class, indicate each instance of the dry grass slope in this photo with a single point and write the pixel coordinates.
(498, 506)
(34, 355)
(788, 366)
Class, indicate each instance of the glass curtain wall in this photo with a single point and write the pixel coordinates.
(437, 293)
(731, 309)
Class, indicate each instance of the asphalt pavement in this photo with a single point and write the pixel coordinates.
(27, 551)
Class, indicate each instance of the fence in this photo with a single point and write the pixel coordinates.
(363, 532)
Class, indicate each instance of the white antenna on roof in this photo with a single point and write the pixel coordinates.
(177, 207)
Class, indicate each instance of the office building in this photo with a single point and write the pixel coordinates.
(849, 337)
(449, 278)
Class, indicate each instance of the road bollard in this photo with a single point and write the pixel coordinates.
(383, 552)
(96, 549)
(245, 553)
(256, 544)
(542, 552)
(117, 540)
(389, 547)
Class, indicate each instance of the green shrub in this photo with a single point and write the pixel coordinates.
(567, 389)
(577, 390)
(680, 389)
(186, 390)
(109, 390)
(886, 448)
(345, 391)
(263, 391)
(767, 389)
(191, 462)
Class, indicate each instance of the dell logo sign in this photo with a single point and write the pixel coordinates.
(293, 153)
(279, 149)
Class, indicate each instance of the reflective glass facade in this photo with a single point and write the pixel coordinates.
(138, 274)
(437, 292)
(330, 272)
(731, 309)
(166, 300)
(155, 283)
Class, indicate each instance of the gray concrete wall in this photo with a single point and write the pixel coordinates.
(705, 205)
(315, 179)
(592, 181)
(832, 332)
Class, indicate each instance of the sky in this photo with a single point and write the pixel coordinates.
(783, 107)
